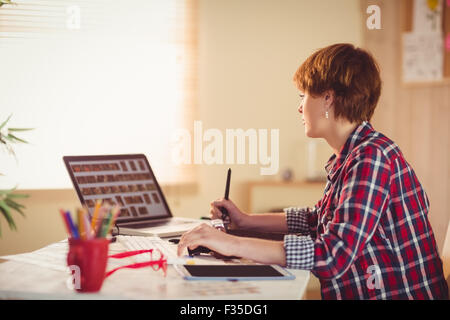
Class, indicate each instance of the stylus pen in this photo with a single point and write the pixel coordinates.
(227, 187)
(225, 216)
(225, 219)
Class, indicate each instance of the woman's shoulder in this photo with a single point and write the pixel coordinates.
(377, 145)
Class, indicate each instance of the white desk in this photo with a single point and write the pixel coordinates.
(19, 280)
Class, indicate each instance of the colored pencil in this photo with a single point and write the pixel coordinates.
(66, 222)
(101, 217)
(85, 229)
(81, 227)
(106, 223)
(87, 225)
(115, 213)
(98, 204)
(74, 229)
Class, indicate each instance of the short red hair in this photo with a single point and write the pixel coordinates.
(351, 73)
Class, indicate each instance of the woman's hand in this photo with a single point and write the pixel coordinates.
(235, 216)
(208, 236)
(259, 250)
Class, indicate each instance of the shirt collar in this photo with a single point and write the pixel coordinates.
(355, 138)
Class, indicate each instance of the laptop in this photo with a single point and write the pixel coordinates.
(126, 180)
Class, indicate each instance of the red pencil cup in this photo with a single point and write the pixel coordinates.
(87, 259)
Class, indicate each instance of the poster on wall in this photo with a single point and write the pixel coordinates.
(423, 47)
(423, 57)
(427, 16)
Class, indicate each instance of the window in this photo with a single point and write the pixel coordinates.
(95, 77)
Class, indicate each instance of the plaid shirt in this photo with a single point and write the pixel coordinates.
(369, 236)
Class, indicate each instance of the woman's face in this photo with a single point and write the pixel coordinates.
(313, 111)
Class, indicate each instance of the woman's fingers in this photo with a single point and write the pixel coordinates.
(222, 203)
(215, 213)
(225, 204)
(202, 235)
(191, 239)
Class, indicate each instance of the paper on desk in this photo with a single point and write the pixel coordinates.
(208, 290)
(52, 256)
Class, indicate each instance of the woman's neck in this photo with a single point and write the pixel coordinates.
(338, 133)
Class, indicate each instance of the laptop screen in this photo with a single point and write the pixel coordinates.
(126, 180)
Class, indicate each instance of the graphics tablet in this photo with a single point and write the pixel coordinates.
(234, 272)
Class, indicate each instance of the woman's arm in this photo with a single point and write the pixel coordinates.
(266, 222)
(262, 251)
(259, 250)
(292, 220)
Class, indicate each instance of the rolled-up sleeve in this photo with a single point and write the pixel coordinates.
(301, 220)
(299, 252)
(297, 220)
(299, 244)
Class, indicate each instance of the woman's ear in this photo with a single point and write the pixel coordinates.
(329, 98)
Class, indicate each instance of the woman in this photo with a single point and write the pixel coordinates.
(369, 236)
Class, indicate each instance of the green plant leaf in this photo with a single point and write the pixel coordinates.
(13, 203)
(6, 121)
(10, 139)
(19, 210)
(7, 214)
(18, 195)
(20, 129)
(13, 137)
(16, 206)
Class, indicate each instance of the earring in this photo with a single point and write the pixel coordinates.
(326, 114)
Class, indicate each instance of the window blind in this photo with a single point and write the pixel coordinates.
(96, 77)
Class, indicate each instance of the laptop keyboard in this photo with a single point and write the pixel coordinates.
(144, 243)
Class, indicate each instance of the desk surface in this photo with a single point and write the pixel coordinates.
(19, 280)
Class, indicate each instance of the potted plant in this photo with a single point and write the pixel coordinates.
(8, 199)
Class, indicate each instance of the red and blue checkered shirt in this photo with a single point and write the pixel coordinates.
(369, 236)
